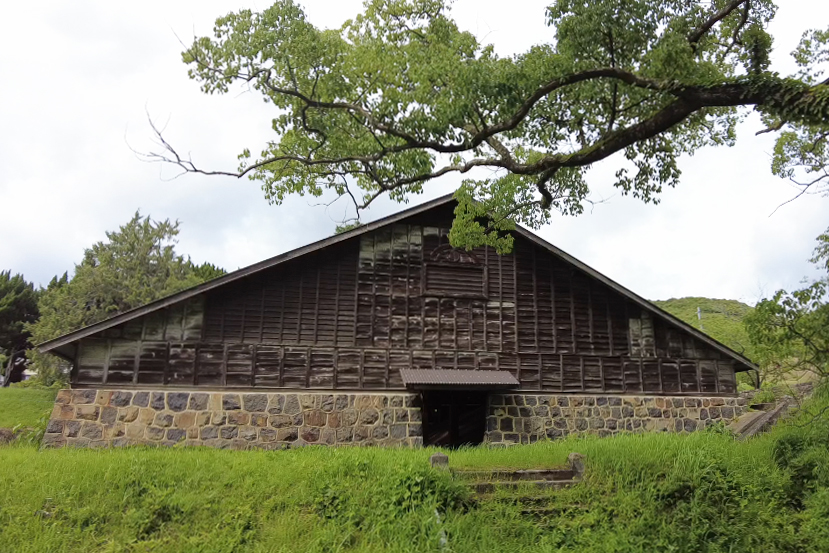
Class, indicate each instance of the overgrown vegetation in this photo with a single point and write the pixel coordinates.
(720, 319)
(791, 329)
(25, 407)
(136, 264)
(704, 492)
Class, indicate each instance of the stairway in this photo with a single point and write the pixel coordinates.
(486, 482)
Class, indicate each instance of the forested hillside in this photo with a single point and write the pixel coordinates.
(721, 319)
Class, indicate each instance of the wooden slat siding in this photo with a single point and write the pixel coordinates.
(360, 315)
(517, 308)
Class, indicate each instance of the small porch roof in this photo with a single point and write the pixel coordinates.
(457, 379)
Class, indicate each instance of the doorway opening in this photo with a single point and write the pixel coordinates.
(454, 418)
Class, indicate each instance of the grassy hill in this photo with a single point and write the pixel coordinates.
(705, 492)
(721, 319)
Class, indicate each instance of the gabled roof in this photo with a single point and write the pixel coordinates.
(59, 344)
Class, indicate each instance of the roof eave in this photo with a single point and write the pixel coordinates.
(55, 343)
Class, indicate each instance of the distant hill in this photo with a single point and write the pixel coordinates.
(721, 319)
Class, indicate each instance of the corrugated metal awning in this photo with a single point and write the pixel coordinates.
(457, 379)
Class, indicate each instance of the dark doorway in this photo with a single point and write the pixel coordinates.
(453, 418)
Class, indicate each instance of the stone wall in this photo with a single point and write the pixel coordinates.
(526, 418)
(102, 418)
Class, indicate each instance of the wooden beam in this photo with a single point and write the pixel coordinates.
(317, 304)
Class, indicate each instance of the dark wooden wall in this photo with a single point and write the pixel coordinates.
(351, 315)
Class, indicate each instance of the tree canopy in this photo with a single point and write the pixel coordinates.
(134, 266)
(399, 96)
(791, 329)
(18, 307)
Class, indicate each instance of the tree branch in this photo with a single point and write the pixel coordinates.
(697, 34)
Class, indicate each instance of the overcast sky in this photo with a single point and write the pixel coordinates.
(78, 76)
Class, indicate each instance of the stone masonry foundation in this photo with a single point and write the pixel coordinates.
(103, 418)
(527, 418)
(278, 420)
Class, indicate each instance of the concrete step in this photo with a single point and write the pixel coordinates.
(492, 486)
(534, 475)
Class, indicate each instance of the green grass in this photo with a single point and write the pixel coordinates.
(25, 406)
(704, 492)
(721, 319)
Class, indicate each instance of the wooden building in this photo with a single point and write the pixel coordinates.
(371, 309)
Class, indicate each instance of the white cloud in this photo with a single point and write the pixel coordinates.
(78, 77)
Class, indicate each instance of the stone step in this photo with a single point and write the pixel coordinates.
(556, 474)
(490, 487)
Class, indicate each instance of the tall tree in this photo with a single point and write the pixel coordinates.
(400, 96)
(18, 307)
(791, 329)
(135, 265)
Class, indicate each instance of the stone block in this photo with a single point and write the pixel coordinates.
(286, 434)
(238, 418)
(328, 436)
(154, 433)
(415, 430)
(82, 397)
(315, 417)
(108, 415)
(87, 412)
(411, 401)
(308, 401)
(218, 419)
(309, 434)
(327, 403)
(135, 431)
(55, 426)
(53, 440)
(198, 402)
(102, 397)
(228, 432)
(231, 402)
(66, 412)
(203, 418)
(280, 421)
(209, 432)
(345, 435)
(157, 401)
(396, 401)
(184, 420)
(386, 415)
(361, 433)
(163, 420)
(177, 401)
(380, 432)
(192, 433)
(276, 404)
(247, 433)
(63, 397)
(340, 402)
(292, 406)
(415, 415)
(259, 420)
(120, 399)
(141, 399)
(255, 403)
(176, 434)
(91, 431)
(127, 414)
(368, 416)
(267, 435)
(72, 428)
